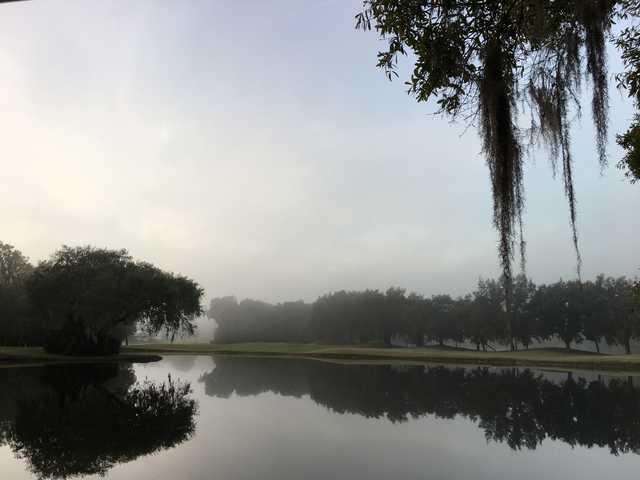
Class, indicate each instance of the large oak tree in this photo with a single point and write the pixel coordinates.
(85, 295)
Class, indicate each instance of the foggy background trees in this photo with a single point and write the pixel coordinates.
(256, 321)
(605, 310)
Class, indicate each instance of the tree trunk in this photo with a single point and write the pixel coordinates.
(597, 344)
(567, 344)
(627, 346)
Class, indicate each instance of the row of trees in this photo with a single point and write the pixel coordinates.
(603, 310)
(256, 321)
(86, 300)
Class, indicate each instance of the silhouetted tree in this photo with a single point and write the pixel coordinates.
(624, 316)
(14, 266)
(523, 320)
(86, 294)
(415, 317)
(18, 326)
(595, 322)
(488, 316)
(557, 308)
(442, 323)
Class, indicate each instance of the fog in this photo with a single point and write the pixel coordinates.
(264, 155)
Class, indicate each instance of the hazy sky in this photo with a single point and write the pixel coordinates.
(255, 147)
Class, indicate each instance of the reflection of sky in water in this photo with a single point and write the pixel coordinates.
(269, 436)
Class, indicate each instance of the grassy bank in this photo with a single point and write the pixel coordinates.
(544, 357)
(10, 356)
(547, 357)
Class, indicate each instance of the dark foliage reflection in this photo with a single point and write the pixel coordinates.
(80, 420)
(515, 406)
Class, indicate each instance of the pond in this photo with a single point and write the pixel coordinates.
(192, 417)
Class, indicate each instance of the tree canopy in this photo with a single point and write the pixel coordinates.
(628, 42)
(499, 63)
(86, 294)
(17, 325)
(14, 266)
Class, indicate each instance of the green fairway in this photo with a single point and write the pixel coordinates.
(543, 357)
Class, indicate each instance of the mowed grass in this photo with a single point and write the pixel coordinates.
(10, 356)
(542, 357)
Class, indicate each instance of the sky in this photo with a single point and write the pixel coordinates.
(255, 147)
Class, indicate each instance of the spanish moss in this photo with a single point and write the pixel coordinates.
(501, 145)
(494, 63)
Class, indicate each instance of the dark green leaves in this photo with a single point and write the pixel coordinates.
(630, 141)
(92, 291)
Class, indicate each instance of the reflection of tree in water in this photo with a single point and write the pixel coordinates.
(83, 420)
(518, 407)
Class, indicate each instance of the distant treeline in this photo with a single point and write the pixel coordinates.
(529, 408)
(603, 310)
(256, 321)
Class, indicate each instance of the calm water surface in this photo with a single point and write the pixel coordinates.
(267, 418)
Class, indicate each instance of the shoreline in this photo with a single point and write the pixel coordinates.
(544, 357)
(553, 358)
(36, 356)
